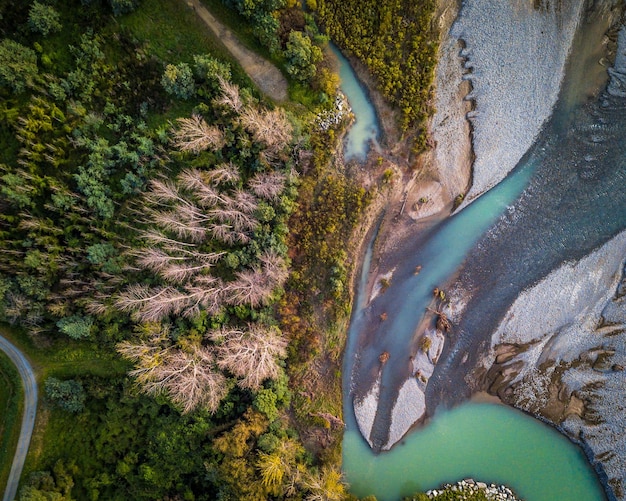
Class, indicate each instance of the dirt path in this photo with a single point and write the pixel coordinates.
(28, 418)
(264, 74)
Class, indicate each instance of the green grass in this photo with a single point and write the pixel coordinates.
(175, 33)
(11, 406)
(65, 358)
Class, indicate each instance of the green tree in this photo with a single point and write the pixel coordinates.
(18, 65)
(301, 56)
(209, 69)
(43, 19)
(68, 395)
(178, 80)
(76, 326)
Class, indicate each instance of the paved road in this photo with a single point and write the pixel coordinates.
(267, 77)
(28, 419)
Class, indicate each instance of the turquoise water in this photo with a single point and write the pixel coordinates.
(484, 441)
(487, 442)
(365, 129)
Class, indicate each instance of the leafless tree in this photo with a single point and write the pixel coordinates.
(268, 185)
(255, 287)
(274, 267)
(250, 287)
(230, 96)
(244, 202)
(161, 240)
(195, 135)
(171, 220)
(188, 377)
(226, 233)
(270, 127)
(152, 304)
(249, 354)
(203, 184)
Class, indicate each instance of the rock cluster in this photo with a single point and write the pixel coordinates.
(328, 119)
(492, 492)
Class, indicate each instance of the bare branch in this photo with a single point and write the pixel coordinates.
(268, 185)
(250, 355)
(230, 96)
(195, 135)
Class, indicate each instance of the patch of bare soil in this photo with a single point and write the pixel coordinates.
(263, 73)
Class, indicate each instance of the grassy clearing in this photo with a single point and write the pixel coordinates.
(175, 33)
(65, 358)
(11, 406)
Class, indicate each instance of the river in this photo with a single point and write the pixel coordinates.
(486, 441)
(365, 129)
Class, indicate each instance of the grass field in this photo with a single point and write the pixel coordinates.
(11, 404)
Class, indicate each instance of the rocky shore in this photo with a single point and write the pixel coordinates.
(514, 56)
(468, 486)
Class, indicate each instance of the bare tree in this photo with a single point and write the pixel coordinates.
(203, 184)
(255, 287)
(270, 127)
(249, 354)
(250, 287)
(171, 220)
(190, 380)
(226, 233)
(189, 377)
(230, 96)
(274, 267)
(244, 202)
(195, 135)
(268, 185)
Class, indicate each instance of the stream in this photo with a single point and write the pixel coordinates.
(486, 441)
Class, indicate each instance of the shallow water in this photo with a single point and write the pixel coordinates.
(487, 442)
(365, 128)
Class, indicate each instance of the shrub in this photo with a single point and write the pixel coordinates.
(178, 81)
(123, 6)
(43, 19)
(76, 326)
(301, 56)
(68, 395)
(209, 69)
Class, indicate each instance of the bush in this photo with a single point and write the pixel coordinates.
(68, 395)
(178, 81)
(43, 19)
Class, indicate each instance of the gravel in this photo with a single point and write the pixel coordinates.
(515, 58)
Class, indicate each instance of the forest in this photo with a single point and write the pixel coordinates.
(145, 194)
(162, 226)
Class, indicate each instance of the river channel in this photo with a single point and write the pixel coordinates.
(485, 441)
